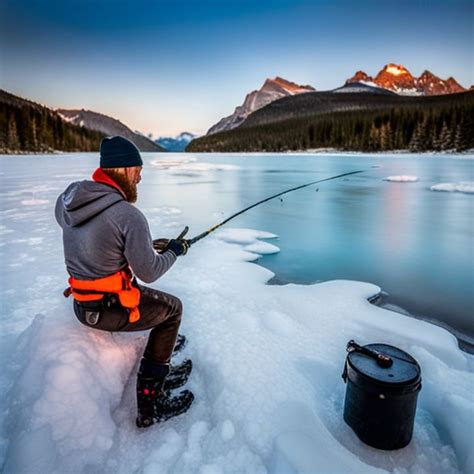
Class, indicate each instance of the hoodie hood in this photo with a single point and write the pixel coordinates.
(83, 200)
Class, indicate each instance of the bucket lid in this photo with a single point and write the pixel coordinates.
(403, 371)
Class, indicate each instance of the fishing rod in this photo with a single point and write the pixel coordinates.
(213, 228)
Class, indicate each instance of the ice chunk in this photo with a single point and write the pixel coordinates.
(462, 187)
(262, 248)
(402, 179)
(243, 236)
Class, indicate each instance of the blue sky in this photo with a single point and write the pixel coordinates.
(169, 66)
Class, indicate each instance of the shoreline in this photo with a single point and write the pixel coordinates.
(465, 342)
(311, 151)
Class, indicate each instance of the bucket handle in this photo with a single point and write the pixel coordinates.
(383, 360)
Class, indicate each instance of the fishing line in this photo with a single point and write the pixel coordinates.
(213, 228)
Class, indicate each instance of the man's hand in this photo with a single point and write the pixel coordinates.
(160, 245)
(179, 245)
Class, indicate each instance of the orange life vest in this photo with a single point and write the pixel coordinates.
(119, 283)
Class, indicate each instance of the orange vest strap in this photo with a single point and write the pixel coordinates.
(119, 283)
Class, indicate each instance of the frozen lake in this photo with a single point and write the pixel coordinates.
(413, 242)
(67, 393)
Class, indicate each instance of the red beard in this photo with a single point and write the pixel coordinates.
(129, 189)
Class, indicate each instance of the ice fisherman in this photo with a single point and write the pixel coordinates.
(107, 243)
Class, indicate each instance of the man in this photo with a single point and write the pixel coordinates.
(105, 239)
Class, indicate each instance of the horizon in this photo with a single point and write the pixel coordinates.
(165, 68)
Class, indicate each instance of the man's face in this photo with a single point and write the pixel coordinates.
(134, 174)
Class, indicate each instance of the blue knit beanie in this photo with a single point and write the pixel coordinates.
(118, 152)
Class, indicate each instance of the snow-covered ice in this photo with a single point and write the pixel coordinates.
(402, 179)
(191, 165)
(267, 364)
(463, 187)
(267, 379)
(34, 202)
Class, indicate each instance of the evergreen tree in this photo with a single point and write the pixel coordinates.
(13, 143)
(446, 141)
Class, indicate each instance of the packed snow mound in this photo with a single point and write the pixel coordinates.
(402, 179)
(267, 379)
(466, 187)
(72, 380)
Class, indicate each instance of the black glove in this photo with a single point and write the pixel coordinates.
(178, 246)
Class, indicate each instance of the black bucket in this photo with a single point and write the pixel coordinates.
(382, 388)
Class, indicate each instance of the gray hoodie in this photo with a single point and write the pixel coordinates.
(103, 233)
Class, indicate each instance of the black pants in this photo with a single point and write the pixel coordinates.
(159, 311)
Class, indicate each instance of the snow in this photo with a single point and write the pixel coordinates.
(395, 70)
(463, 187)
(405, 91)
(34, 202)
(68, 119)
(191, 165)
(267, 371)
(402, 179)
(244, 236)
(352, 89)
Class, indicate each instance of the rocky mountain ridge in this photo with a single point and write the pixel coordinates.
(272, 89)
(397, 78)
(108, 126)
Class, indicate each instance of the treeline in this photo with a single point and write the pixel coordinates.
(29, 127)
(415, 127)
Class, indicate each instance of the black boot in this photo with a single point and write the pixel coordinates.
(180, 344)
(178, 375)
(153, 403)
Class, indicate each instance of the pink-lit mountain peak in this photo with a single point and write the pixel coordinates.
(397, 78)
(272, 89)
(395, 70)
(290, 87)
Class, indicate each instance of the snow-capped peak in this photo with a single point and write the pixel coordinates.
(395, 69)
(177, 143)
(272, 89)
(397, 78)
(186, 135)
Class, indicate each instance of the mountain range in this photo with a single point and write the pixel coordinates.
(357, 117)
(393, 78)
(397, 78)
(27, 126)
(176, 144)
(108, 126)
